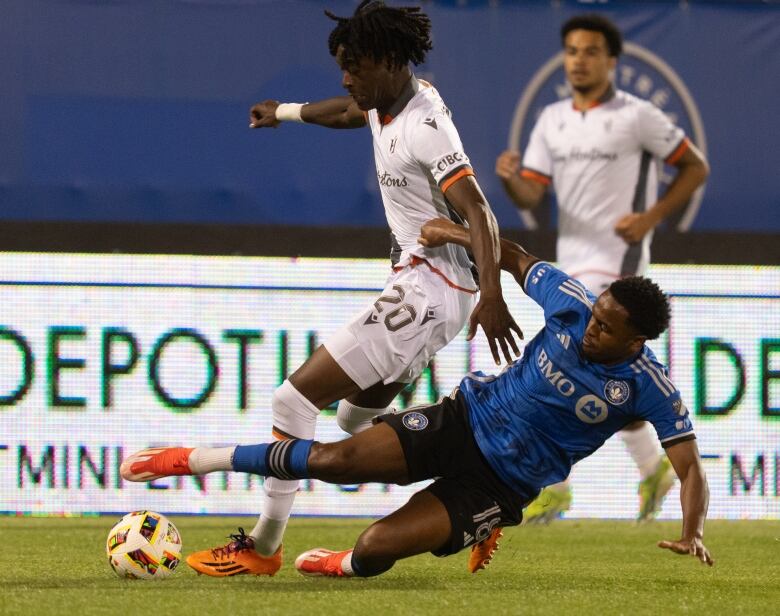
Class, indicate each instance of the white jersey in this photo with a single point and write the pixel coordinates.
(418, 155)
(603, 164)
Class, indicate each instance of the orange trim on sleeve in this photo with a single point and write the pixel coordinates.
(536, 177)
(678, 152)
(451, 180)
(280, 436)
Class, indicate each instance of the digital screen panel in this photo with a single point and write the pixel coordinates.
(102, 355)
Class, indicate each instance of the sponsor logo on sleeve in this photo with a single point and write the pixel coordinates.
(449, 160)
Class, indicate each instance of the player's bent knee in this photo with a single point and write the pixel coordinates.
(354, 419)
(293, 415)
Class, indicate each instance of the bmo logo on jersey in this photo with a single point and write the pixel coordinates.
(591, 409)
(639, 72)
(555, 377)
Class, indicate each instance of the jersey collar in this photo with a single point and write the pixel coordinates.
(607, 96)
(411, 88)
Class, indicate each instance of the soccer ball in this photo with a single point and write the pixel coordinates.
(143, 545)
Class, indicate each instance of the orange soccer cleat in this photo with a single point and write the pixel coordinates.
(322, 562)
(151, 464)
(482, 552)
(236, 558)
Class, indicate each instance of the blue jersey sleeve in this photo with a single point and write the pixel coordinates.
(556, 292)
(661, 404)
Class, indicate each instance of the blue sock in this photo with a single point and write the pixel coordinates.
(288, 459)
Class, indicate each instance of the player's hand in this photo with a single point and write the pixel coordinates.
(437, 232)
(497, 323)
(694, 547)
(633, 227)
(508, 164)
(263, 115)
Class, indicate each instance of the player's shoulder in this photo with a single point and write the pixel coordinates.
(652, 376)
(556, 109)
(427, 103)
(630, 102)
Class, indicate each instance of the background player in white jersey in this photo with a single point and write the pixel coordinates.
(599, 149)
(431, 292)
(495, 441)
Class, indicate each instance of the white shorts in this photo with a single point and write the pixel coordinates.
(393, 340)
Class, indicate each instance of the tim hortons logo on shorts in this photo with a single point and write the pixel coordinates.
(639, 72)
(449, 160)
(385, 179)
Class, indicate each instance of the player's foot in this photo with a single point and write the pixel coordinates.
(653, 489)
(482, 552)
(151, 464)
(322, 562)
(236, 558)
(549, 505)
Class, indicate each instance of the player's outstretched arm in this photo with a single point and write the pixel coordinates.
(694, 497)
(440, 231)
(336, 112)
(491, 312)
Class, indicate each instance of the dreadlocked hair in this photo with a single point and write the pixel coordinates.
(647, 306)
(395, 35)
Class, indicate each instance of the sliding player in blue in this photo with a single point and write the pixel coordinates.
(497, 440)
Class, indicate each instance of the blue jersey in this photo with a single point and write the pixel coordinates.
(553, 407)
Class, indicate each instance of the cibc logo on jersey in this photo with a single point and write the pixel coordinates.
(456, 158)
(639, 72)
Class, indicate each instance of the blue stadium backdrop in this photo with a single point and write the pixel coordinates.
(137, 110)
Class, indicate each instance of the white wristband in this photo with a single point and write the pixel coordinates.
(289, 112)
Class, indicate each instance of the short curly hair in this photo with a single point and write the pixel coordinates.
(648, 307)
(595, 23)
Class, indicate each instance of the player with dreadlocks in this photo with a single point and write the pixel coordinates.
(423, 174)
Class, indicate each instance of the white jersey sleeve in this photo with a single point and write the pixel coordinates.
(658, 135)
(436, 145)
(537, 160)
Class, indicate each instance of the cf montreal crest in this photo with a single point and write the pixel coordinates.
(415, 421)
(616, 392)
(639, 72)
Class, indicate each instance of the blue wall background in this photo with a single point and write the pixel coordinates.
(137, 111)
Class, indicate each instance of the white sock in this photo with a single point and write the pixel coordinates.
(642, 444)
(204, 460)
(294, 415)
(346, 565)
(268, 532)
(354, 419)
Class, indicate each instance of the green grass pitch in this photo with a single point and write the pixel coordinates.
(58, 566)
